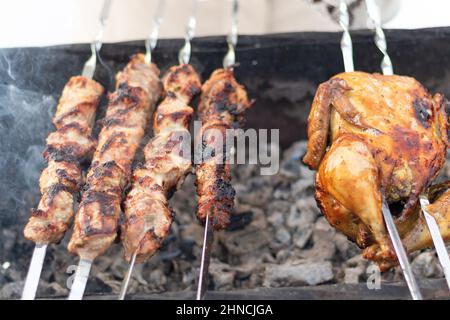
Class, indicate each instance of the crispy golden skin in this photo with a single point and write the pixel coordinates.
(222, 106)
(147, 213)
(66, 147)
(388, 137)
(137, 90)
(419, 237)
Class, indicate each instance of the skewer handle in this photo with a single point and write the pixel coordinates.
(346, 41)
(373, 11)
(34, 272)
(230, 58)
(185, 53)
(80, 281)
(152, 40)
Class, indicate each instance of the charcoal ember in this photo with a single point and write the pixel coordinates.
(426, 265)
(301, 273)
(302, 235)
(283, 255)
(282, 192)
(10, 273)
(256, 191)
(352, 275)
(222, 275)
(192, 232)
(248, 240)
(323, 247)
(282, 236)
(276, 219)
(302, 187)
(9, 239)
(12, 290)
(157, 280)
(308, 207)
(345, 247)
(52, 289)
(290, 166)
(98, 283)
(303, 212)
(118, 268)
(240, 219)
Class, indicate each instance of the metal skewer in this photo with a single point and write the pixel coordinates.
(37, 260)
(438, 242)
(34, 272)
(386, 66)
(400, 252)
(152, 40)
(126, 280)
(84, 266)
(185, 52)
(373, 12)
(150, 44)
(346, 41)
(229, 61)
(392, 230)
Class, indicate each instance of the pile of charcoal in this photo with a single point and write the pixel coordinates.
(277, 238)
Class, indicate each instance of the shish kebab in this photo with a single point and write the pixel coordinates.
(146, 209)
(373, 12)
(95, 227)
(67, 147)
(222, 105)
(138, 88)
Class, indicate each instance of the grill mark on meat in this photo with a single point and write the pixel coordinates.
(63, 154)
(222, 105)
(147, 214)
(97, 222)
(116, 137)
(104, 200)
(49, 221)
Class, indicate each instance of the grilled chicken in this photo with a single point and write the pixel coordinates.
(147, 213)
(388, 139)
(69, 145)
(222, 105)
(419, 237)
(137, 89)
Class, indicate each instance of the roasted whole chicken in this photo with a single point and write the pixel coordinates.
(388, 140)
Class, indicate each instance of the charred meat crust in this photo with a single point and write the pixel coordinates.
(66, 148)
(96, 223)
(147, 213)
(403, 130)
(222, 106)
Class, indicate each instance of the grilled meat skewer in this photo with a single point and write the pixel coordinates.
(147, 213)
(69, 145)
(222, 105)
(137, 90)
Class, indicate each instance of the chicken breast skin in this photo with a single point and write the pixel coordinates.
(388, 139)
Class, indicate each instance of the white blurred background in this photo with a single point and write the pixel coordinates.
(47, 22)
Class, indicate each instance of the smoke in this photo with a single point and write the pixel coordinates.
(25, 121)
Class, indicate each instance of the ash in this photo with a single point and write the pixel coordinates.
(277, 238)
